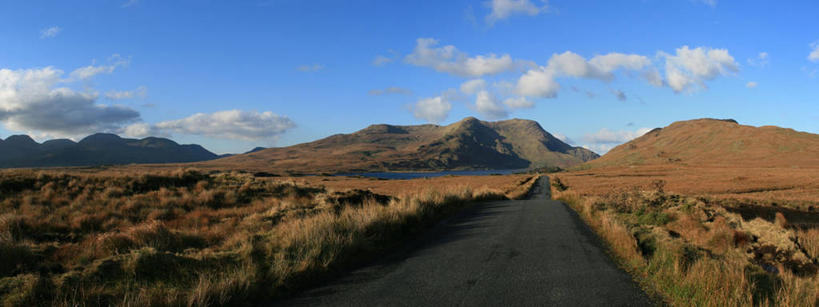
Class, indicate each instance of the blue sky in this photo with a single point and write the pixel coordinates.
(232, 75)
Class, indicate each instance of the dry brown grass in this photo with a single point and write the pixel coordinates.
(693, 253)
(189, 238)
(794, 187)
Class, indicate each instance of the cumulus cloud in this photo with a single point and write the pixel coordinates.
(87, 72)
(139, 92)
(433, 110)
(50, 32)
(608, 63)
(473, 86)
(540, 82)
(604, 140)
(142, 130)
(619, 94)
(518, 102)
(751, 84)
(310, 68)
(449, 59)
(390, 90)
(32, 101)
(487, 104)
(502, 9)
(814, 54)
(229, 124)
(691, 67)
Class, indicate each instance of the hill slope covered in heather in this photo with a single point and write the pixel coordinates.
(467, 144)
(712, 142)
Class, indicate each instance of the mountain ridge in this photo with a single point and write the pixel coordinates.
(467, 144)
(96, 149)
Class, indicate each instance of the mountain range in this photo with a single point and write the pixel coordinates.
(96, 149)
(466, 144)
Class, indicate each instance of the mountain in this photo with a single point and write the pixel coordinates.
(713, 142)
(97, 149)
(467, 144)
(255, 149)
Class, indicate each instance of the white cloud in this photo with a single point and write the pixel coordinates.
(487, 104)
(381, 60)
(433, 110)
(449, 59)
(563, 138)
(605, 139)
(87, 72)
(751, 84)
(814, 55)
(32, 102)
(610, 62)
(50, 32)
(230, 124)
(601, 67)
(538, 82)
(711, 3)
(139, 92)
(310, 68)
(502, 9)
(473, 86)
(390, 90)
(690, 67)
(573, 65)
(761, 60)
(142, 130)
(518, 102)
(619, 94)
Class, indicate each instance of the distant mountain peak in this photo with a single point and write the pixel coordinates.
(19, 140)
(96, 149)
(466, 144)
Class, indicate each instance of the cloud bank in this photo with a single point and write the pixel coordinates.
(32, 100)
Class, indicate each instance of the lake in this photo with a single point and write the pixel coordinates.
(415, 175)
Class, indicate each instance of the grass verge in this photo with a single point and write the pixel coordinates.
(693, 252)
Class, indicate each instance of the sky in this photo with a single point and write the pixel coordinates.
(233, 75)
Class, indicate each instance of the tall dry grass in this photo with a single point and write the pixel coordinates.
(187, 238)
(688, 252)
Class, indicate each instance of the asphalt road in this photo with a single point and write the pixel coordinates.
(506, 253)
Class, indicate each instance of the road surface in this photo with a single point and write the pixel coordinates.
(531, 252)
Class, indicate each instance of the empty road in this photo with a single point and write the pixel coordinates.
(505, 253)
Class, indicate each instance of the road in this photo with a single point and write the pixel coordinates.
(531, 252)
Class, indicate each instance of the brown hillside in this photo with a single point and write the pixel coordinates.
(467, 144)
(711, 142)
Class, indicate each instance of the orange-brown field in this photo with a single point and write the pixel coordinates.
(413, 186)
(793, 187)
(185, 237)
